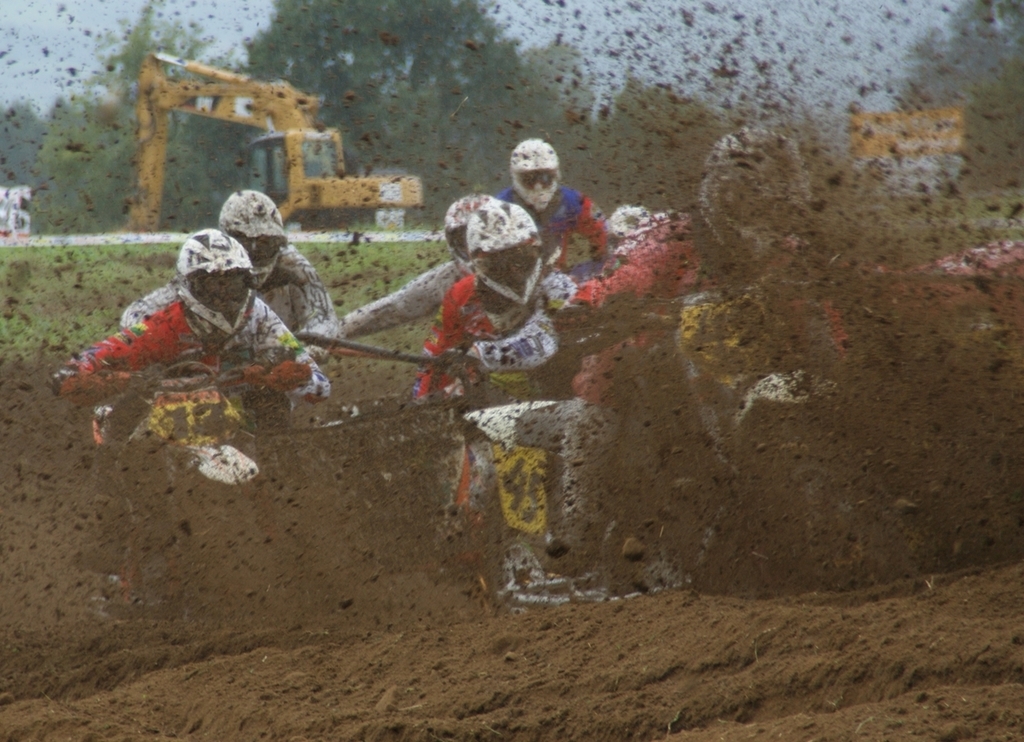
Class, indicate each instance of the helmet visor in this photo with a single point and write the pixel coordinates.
(263, 250)
(513, 268)
(456, 239)
(226, 292)
(537, 178)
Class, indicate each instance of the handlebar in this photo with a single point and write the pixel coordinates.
(373, 351)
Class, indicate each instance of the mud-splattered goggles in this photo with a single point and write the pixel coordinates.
(514, 267)
(538, 178)
(263, 249)
(223, 292)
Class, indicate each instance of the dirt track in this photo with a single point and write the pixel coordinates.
(864, 580)
(939, 662)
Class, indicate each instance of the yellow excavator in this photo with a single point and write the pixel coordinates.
(298, 162)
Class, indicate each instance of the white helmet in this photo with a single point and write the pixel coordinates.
(535, 172)
(254, 220)
(504, 248)
(754, 184)
(216, 282)
(455, 222)
(626, 219)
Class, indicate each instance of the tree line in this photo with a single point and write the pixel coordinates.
(977, 62)
(436, 89)
(429, 87)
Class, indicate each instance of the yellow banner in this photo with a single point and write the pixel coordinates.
(907, 134)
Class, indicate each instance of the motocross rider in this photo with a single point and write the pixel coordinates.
(216, 319)
(564, 215)
(286, 281)
(500, 318)
(649, 254)
(498, 315)
(423, 294)
(755, 189)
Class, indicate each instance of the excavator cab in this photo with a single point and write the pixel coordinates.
(295, 167)
(320, 156)
(267, 166)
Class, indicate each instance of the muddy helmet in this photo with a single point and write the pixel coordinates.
(505, 249)
(455, 222)
(535, 172)
(754, 188)
(254, 220)
(215, 282)
(625, 219)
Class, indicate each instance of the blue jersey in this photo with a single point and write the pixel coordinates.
(570, 213)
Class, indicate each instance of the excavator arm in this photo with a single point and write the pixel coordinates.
(226, 95)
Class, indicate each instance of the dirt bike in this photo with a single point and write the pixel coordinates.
(521, 499)
(192, 414)
(530, 483)
(176, 455)
(509, 498)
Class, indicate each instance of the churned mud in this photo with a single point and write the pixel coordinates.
(845, 564)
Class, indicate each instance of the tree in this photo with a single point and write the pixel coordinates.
(86, 159)
(979, 64)
(87, 155)
(980, 36)
(428, 86)
(21, 136)
(994, 125)
(560, 69)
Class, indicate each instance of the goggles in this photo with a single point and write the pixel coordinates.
(456, 239)
(225, 292)
(513, 267)
(537, 178)
(263, 249)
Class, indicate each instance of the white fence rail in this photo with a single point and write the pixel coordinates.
(163, 238)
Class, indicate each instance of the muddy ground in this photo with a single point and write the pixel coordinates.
(849, 567)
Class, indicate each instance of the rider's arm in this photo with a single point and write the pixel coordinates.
(530, 346)
(149, 304)
(306, 305)
(447, 334)
(102, 369)
(416, 299)
(590, 223)
(268, 335)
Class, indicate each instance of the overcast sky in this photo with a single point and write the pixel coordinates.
(48, 47)
(824, 53)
